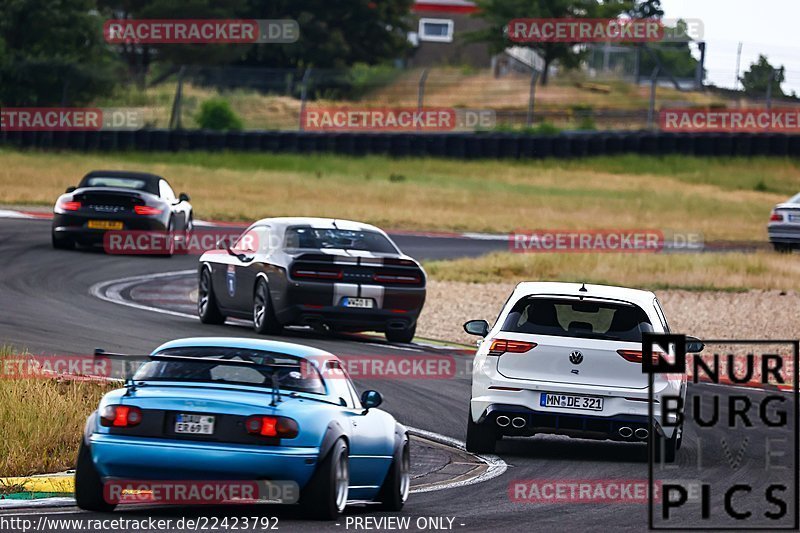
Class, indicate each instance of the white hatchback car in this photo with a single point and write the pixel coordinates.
(566, 358)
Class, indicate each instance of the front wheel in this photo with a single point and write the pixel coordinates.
(481, 438)
(404, 335)
(397, 484)
(88, 484)
(325, 496)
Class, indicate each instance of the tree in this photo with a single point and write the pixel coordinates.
(52, 53)
(760, 75)
(498, 13)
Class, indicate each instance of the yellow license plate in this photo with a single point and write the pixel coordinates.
(105, 224)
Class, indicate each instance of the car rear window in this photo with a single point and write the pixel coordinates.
(290, 373)
(326, 238)
(122, 183)
(589, 319)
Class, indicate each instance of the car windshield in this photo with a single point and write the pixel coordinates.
(584, 319)
(323, 238)
(794, 199)
(122, 183)
(289, 372)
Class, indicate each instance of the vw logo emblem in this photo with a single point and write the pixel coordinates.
(576, 357)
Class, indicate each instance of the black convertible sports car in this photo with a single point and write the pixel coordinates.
(119, 200)
(332, 274)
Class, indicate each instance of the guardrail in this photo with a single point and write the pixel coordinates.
(451, 145)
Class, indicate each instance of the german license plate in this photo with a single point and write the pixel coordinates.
(794, 218)
(360, 303)
(570, 401)
(194, 424)
(104, 224)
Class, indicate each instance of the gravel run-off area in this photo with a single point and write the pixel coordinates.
(718, 315)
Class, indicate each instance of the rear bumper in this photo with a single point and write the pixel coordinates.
(162, 459)
(784, 233)
(74, 226)
(310, 303)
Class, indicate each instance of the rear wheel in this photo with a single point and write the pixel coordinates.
(88, 485)
(325, 496)
(264, 320)
(481, 438)
(668, 445)
(60, 243)
(207, 308)
(404, 335)
(397, 484)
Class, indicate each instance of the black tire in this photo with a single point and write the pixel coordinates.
(405, 335)
(321, 498)
(264, 320)
(207, 308)
(88, 485)
(394, 492)
(782, 248)
(670, 446)
(481, 438)
(62, 244)
(170, 238)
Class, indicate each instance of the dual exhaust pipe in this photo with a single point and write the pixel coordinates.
(517, 422)
(626, 432)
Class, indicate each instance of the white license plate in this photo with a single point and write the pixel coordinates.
(360, 303)
(794, 218)
(570, 401)
(194, 424)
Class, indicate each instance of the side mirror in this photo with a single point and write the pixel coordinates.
(71, 189)
(694, 345)
(183, 197)
(477, 327)
(371, 398)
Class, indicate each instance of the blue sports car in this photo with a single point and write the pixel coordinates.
(241, 409)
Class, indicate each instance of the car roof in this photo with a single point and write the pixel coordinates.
(634, 296)
(146, 176)
(325, 223)
(287, 348)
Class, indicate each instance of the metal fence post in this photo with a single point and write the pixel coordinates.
(175, 116)
(303, 96)
(532, 97)
(651, 111)
(421, 89)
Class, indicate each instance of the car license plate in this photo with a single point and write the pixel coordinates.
(360, 303)
(570, 401)
(794, 218)
(194, 424)
(104, 224)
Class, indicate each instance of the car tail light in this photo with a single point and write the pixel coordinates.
(315, 273)
(120, 416)
(146, 210)
(71, 205)
(776, 217)
(396, 278)
(501, 346)
(635, 356)
(272, 426)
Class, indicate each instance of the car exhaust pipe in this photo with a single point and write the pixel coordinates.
(518, 422)
(641, 433)
(503, 421)
(625, 432)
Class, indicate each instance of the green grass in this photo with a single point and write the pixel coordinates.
(720, 198)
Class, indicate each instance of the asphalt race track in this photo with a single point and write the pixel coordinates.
(46, 307)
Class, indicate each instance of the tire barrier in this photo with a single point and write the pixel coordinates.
(482, 145)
